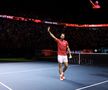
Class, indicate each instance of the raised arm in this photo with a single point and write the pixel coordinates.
(52, 35)
(92, 2)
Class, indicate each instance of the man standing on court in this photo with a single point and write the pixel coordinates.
(62, 53)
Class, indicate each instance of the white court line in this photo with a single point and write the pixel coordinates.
(92, 85)
(27, 70)
(5, 86)
(21, 72)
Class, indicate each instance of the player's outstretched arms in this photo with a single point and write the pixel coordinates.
(52, 35)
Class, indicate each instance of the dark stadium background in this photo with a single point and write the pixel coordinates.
(27, 39)
(75, 11)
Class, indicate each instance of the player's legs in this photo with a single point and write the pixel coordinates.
(65, 65)
(61, 71)
(60, 61)
(65, 60)
(60, 68)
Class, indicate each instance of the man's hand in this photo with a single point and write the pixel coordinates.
(70, 56)
(51, 33)
(49, 29)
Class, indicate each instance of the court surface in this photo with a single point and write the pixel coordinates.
(44, 76)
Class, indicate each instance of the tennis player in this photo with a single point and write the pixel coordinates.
(63, 47)
(95, 5)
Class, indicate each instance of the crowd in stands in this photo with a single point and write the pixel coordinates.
(28, 37)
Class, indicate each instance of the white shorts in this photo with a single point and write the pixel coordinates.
(62, 58)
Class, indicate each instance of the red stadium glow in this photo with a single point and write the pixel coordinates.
(51, 22)
(37, 21)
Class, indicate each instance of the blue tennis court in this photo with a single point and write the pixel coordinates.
(44, 76)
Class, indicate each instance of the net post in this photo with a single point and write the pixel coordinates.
(79, 61)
